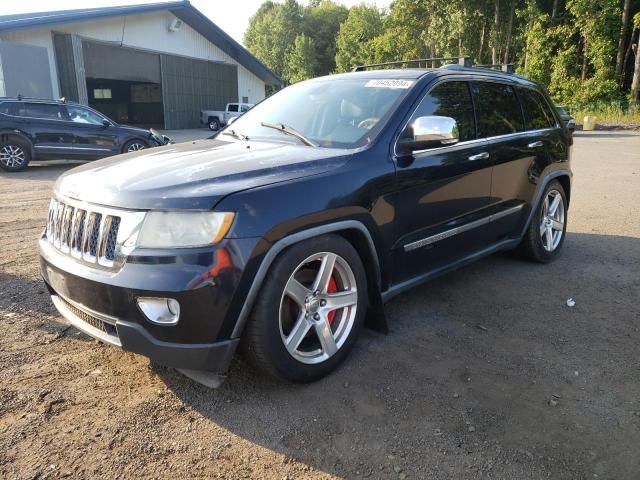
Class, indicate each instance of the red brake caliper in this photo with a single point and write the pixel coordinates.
(332, 288)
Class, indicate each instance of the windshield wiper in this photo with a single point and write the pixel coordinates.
(281, 127)
(234, 134)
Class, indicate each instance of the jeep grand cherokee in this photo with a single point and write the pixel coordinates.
(300, 219)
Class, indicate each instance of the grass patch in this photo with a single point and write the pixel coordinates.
(609, 114)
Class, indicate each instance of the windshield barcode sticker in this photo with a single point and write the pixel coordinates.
(389, 83)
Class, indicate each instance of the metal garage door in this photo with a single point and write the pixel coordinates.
(190, 85)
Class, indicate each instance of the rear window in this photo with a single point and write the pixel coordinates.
(233, 107)
(498, 109)
(536, 115)
(44, 111)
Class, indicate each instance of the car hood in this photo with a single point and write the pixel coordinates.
(135, 131)
(192, 175)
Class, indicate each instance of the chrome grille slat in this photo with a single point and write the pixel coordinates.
(87, 233)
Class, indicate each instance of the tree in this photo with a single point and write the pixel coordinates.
(322, 20)
(635, 84)
(354, 44)
(301, 60)
(272, 32)
(624, 23)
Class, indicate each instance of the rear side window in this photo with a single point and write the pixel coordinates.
(497, 108)
(45, 111)
(233, 107)
(535, 114)
(450, 99)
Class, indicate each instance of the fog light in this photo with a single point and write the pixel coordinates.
(161, 311)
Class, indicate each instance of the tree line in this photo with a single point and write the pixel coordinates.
(584, 51)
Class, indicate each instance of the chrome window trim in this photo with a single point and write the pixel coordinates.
(56, 119)
(423, 242)
(476, 140)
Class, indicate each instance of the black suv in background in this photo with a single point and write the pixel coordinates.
(32, 129)
(288, 231)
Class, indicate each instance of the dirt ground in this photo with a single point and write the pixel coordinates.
(487, 373)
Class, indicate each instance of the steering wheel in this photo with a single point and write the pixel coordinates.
(368, 122)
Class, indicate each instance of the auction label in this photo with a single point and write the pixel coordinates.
(389, 83)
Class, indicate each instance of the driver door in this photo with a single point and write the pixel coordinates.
(443, 193)
(92, 138)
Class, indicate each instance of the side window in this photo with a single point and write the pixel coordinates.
(498, 109)
(8, 108)
(83, 115)
(45, 111)
(233, 107)
(450, 99)
(534, 112)
(245, 108)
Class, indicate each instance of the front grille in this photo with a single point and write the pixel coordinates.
(104, 327)
(83, 233)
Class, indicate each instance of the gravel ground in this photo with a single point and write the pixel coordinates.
(486, 373)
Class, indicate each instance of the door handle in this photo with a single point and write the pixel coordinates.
(479, 156)
(537, 144)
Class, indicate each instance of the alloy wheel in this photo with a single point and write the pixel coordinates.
(318, 308)
(12, 156)
(134, 147)
(552, 221)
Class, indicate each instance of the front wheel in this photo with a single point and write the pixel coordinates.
(135, 145)
(310, 311)
(545, 236)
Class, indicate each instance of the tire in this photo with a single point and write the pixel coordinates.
(546, 233)
(214, 124)
(14, 155)
(278, 319)
(134, 145)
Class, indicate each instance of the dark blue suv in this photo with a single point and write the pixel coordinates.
(287, 232)
(34, 129)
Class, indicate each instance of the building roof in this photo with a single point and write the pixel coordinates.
(181, 9)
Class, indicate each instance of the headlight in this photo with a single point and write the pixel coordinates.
(183, 229)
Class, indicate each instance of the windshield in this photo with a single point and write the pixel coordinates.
(330, 113)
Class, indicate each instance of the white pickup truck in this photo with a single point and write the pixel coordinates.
(216, 119)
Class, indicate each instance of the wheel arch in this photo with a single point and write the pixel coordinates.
(354, 232)
(563, 176)
(16, 134)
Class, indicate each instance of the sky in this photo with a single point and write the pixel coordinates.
(232, 17)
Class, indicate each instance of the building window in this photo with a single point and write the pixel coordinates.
(245, 99)
(101, 93)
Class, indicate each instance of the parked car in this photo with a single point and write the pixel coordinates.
(289, 230)
(566, 117)
(216, 119)
(35, 129)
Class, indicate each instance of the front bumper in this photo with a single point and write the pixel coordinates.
(133, 338)
(103, 304)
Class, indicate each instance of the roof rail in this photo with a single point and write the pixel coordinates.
(505, 67)
(465, 61)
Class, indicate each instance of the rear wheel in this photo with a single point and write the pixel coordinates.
(214, 125)
(545, 236)
(14, 156)
(310, 312)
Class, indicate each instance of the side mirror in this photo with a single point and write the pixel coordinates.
(106, 123)
(231, 120)
(428, 132)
